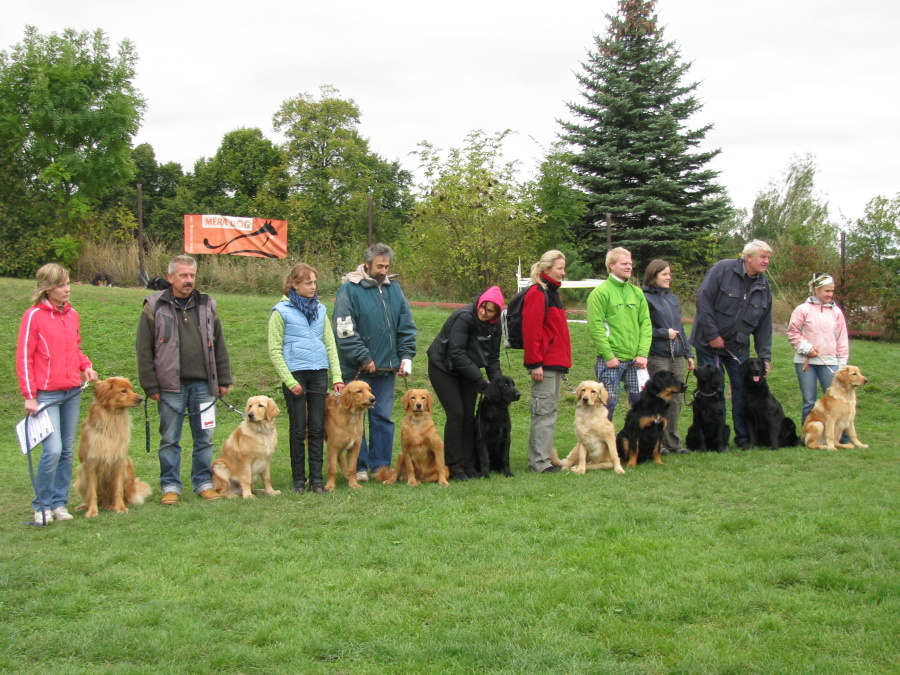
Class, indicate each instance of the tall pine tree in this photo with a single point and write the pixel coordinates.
(633, 154)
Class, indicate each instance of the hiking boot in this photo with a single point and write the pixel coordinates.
(209, 494)
(552, 469)
(318, 488)
(169, 498)
(299, 487)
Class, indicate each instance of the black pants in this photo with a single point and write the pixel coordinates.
(306, 413)
(457, 396)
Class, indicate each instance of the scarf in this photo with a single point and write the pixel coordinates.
(309, 307)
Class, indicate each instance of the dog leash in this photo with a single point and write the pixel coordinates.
(65, 398)
(396, 371)
(181, 413)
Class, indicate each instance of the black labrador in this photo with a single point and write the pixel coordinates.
(708, 431)
(493, 427)
(640, 438)
(767, 425)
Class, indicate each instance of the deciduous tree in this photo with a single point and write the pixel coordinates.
(473, 221)
(68, 111)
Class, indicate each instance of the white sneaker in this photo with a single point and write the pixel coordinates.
(61, 513)
(362, 476)
(39, 517)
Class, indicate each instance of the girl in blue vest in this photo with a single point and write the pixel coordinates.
(302, 348)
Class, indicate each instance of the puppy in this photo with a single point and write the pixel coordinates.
(247, 454)
(640, 438)
(596, 446)
(344, 417)
(708, 431)
(493, 427)
(421, 448)
(106, 476)
(835, 413)
(767, 425)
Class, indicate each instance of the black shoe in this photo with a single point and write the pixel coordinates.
(745, 445)
(552, 469)
(318, 488)
(683, 451)
(299, 487)
(664, 451)
(460, 476)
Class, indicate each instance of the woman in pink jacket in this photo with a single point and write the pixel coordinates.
(49, 363)
(818, 332)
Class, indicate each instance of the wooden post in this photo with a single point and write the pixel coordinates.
(144, 279)
(608, 231)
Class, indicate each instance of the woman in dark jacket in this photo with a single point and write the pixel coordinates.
(669, 348)
(468, 342)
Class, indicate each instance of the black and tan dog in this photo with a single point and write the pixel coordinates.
(767, 425)
(640, 438)
(493, 427)
(708, 431)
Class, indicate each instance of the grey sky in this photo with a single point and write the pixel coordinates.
(778, 77)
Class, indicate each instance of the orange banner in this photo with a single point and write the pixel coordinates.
(254, 237)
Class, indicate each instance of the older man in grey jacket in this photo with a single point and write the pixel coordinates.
(734, 303)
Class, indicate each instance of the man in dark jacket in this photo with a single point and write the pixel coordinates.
(376, 340)
(734, 303)
(182, 364)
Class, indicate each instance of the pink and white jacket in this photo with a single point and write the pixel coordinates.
(48, 355)
(823, 327)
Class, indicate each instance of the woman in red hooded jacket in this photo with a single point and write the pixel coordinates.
(468, 342)
(548, 354)
(49, 364)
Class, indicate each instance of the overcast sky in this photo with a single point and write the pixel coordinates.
(777, 77)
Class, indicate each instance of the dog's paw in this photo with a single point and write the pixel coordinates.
(91, 513)
(249, 495)
(861, 445)
(619, 469)
(273, 493)
(577, 469)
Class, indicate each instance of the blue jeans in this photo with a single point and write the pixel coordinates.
(626, 373)
(807, 379)
(727, 364)
(194, 397)
(54, 472)
(381, 426)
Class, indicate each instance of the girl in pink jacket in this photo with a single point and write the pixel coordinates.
(49, 364)
(818, 331)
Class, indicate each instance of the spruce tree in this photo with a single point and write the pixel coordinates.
(632, 151)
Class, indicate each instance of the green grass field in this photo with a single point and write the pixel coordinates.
(746, 562)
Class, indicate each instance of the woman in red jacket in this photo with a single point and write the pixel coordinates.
(548, 354)
(49, 363)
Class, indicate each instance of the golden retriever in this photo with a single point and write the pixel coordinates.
(421, 448)
(344, 418)
(596, 446)
(106, 476)
(835, 413)
(247, 454)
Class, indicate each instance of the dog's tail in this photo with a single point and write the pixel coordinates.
(384, 473)
(556, 461)
(221, 476)
(139, 492)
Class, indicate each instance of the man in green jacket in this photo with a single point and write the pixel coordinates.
(376, 340)
(619, 325)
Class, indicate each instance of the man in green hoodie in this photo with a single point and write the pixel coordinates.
(619, 325)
